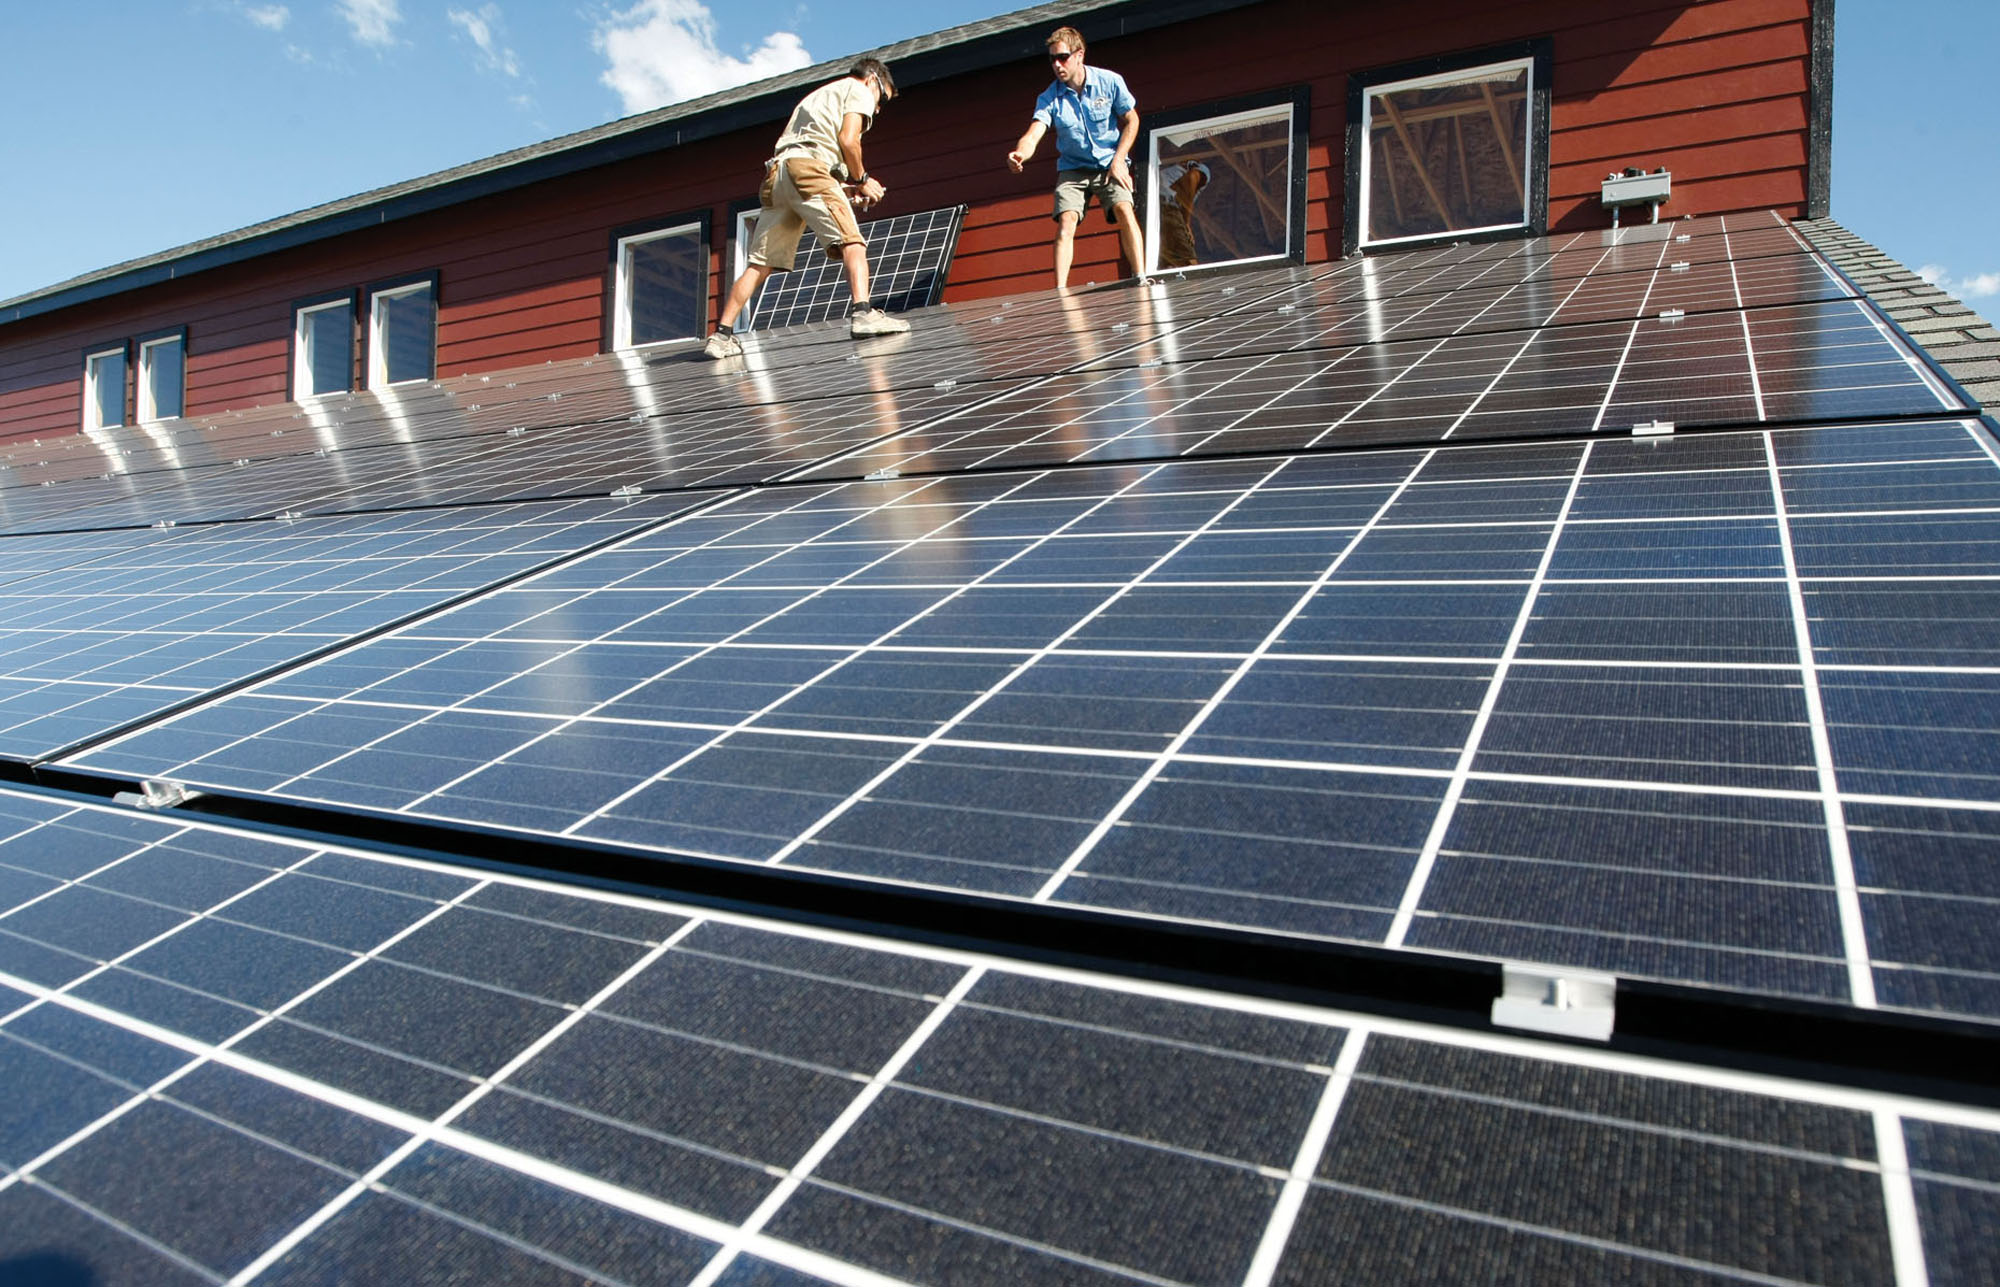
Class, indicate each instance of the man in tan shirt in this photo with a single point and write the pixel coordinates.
(803, 188)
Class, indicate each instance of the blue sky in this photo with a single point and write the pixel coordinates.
(136, 126)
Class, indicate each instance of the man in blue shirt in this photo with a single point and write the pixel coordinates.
(1096, 123)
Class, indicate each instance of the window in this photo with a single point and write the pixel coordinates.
(660, 289)
(1459, 149)
(402, 333)
(162, 376)
(1225, 183)
(323, 347)
(104, 388)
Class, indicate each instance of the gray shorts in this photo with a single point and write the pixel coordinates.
(1075, 188)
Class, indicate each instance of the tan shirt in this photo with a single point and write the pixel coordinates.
(814, 129)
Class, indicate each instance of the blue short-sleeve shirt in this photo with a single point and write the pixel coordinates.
(1085, 121)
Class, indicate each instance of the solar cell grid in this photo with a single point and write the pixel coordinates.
(156, 618)
(1509, 682)
(412, 1071)
(1254, 692)
(908, 257)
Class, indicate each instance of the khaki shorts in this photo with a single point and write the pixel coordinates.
(801, 193)
(1075, 188)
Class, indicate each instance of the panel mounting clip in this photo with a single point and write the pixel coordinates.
(156, 793)
(1652, 428)
(629, 489)
(1567, 1003)
(945, 386)
(1673, 314)
(882, 475)
(1679, 266)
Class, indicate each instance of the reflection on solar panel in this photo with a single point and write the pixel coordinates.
(908, 257)
(1066, 782)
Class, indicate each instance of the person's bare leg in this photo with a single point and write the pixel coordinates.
(854, 261)
(739, 294)
(1065, 247)
(1130, 239)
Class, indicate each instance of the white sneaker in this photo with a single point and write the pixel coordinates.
(723, 345)
(874, 321)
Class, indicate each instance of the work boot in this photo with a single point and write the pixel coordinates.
(722, 344)
(873, 321)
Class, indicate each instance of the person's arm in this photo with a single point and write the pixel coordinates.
(1128, 134)
(869, 190)
(1025, 149)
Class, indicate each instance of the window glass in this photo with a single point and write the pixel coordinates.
(1220, 190)
(405, 338)
(324, 350)
(1447, 154)
(104, 389)
(662, 286)
(162, 378)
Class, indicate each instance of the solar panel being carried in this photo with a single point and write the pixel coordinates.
(1052, 811)
(908, 257)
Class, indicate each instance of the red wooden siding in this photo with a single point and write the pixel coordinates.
(1715, 91)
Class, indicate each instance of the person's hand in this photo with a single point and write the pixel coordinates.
(871, 191)
(1121, 172)
(1015, 160)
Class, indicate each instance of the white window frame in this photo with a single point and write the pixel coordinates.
(378, 352)
(302, 349)
(621, 316)
(739, 261)
(92, 402)
(1460, 75)
(1282, 111)
(148, 355)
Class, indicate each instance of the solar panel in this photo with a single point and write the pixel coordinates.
(366, 1068)
(152, 619)
(1366, 616)
(1102, 687)
(909, 256)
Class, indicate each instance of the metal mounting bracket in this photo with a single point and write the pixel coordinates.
(1565, 1003)
(156, 793)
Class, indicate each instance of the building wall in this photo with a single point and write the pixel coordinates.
(1715, 91)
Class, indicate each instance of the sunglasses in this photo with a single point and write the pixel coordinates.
(1060, 59)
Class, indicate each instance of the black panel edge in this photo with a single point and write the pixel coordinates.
(950, 255)
(1819, 114)
(1932, 1057)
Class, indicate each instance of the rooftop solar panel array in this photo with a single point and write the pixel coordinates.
(1615, 602)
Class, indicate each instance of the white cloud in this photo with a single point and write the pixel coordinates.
(372, 21)
(271, 17)
(1976, 286)
(479, 28)
(664, 51)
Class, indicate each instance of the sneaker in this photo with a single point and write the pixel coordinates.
(874, 321)
(723, 345)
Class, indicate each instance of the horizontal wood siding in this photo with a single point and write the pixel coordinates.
(1715, 91)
